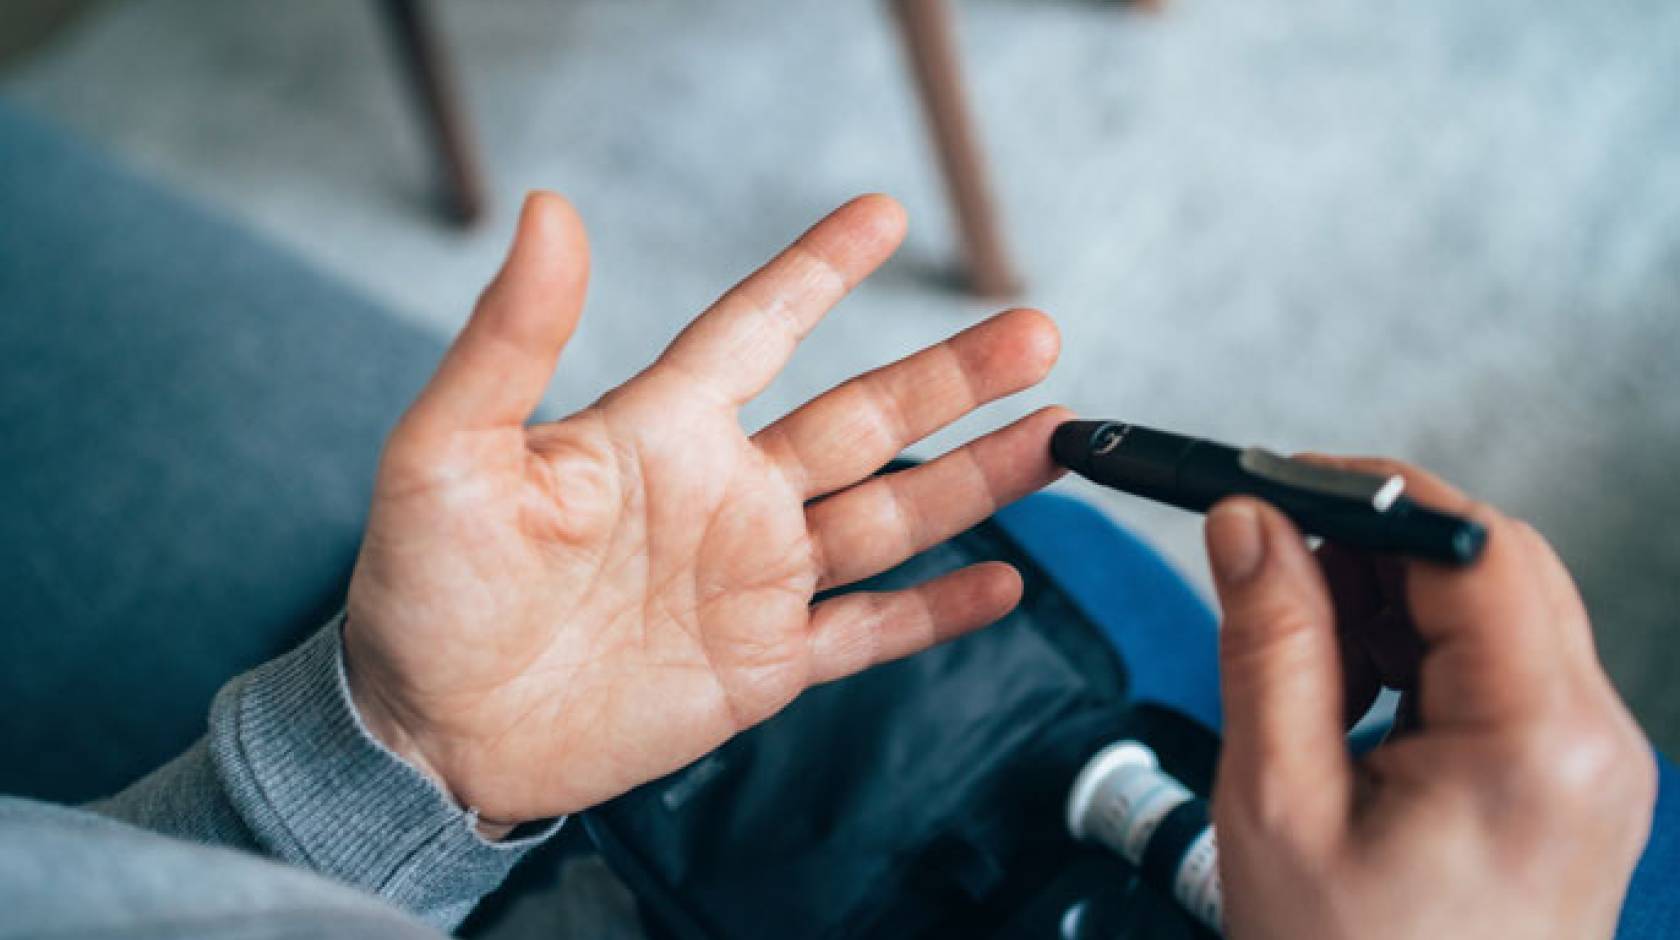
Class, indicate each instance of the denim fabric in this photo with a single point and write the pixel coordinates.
(1652, 908)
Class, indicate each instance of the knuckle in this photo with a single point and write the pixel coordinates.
(892, 427)
(815, 267)
(973, 374)
(1583, 769)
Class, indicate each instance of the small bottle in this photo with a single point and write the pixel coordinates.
(1122, 799)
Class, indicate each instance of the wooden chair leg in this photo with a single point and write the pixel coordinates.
(434, 92)
(929, 31)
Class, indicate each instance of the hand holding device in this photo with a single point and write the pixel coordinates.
(545, 616)
(1516, 802)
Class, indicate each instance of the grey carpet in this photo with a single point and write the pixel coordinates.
(1444, 230)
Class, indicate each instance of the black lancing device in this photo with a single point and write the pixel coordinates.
(1358, 509)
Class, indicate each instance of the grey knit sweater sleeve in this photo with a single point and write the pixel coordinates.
(288, 770)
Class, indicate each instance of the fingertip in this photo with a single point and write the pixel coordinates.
(549, 256)
(1246, 510)
(884, 217)
(1244, 505)
(1048, 419)
(1236, 541)
(1044, 422)
(993, 589)
(890, 210)
(1006, 353)
(1041, 341)
(1285, 537)
(501, 361)
(550, 221)
(544, 200)
(1277, 526)
(1004, 585)
(1055, 415)
(1247, 538)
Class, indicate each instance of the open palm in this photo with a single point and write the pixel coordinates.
(545, 616)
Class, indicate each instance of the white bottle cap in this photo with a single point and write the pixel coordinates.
(1120, 800)
(1097, 769)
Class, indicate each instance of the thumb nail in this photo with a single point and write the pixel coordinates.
(1236, 544)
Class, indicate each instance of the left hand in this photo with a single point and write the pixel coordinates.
(545, 616)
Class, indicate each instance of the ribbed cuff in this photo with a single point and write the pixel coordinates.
(317, 790)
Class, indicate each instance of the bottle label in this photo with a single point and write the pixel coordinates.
(1196, 885)
(1128, 807)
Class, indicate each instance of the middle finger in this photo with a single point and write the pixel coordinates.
(879, 523)
(851, 431)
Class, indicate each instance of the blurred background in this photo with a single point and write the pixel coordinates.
(1443, 230)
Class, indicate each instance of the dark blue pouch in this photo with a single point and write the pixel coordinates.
(923, 798)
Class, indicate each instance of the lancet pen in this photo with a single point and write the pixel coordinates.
(1357, 509)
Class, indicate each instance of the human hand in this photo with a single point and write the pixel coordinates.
(545, 616)
(1518, 798)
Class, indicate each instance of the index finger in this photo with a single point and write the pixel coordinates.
(738, 345)
(1491, 652)
(1421, 485)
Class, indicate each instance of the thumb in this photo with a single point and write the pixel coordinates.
(496, 371)
(1284, 764)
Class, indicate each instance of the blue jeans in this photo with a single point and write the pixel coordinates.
(1153, 617)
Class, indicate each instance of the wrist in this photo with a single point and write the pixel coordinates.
(379, 717)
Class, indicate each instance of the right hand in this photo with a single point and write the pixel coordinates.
(1518, 798)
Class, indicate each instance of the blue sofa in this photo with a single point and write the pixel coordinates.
(189, 421)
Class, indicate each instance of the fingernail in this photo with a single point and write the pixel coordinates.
(1236, 545)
